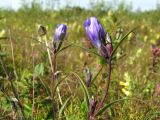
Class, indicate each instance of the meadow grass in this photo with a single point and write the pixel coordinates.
(26, 74)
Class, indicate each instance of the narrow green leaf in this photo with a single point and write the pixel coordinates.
(121, 42)
(63, 107)
(90, 51)
(62, 49)
(58, 83)
(85, 90)
(95, 77)
(109, 105)
(45, 86)
(39, 70)
(27, 107)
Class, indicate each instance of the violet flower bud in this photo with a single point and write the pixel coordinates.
(97, 36)
(59, 35)
(95, 31)
(88, 77)
(60, 32)
(92, 107)
(106, 50)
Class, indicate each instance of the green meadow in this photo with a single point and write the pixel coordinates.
(37, 83)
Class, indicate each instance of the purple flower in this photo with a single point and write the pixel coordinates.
(95, 31)
(60, 32)
(59, 36)
(99, 39)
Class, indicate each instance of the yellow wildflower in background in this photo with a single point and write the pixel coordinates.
(81, 55)
(157, 36)
(145, 38)
(142, 27)
(126, 92)
(153, 41)
(126, 84)
(110, 13)
(2, 33)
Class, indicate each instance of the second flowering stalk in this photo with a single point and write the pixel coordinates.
(58, 37)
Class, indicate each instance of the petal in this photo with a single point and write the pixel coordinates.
(93, 27)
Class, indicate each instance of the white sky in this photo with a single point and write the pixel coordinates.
(142, 4)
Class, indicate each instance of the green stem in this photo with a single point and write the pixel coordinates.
(107, 87)
(33, 86)
(53, 68)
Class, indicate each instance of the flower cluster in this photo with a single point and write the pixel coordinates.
(126, 85)
(99, 38)
(156, 57)
(95, 32)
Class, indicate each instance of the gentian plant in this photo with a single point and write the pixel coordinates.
(58, 37)
(102, 41)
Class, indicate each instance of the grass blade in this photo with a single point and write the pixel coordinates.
(109, 105)
(45, 86)
(58, 83)
(62, 49)
(63, 107)
(85, 90)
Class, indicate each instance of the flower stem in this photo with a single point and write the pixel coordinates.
(107, 87)
(53, 64)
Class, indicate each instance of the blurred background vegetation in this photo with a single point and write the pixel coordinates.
(136, 68)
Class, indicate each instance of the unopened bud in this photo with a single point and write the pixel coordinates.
(42, 31)
(104, 52)
(109, 44)
(88, 77)
(92, 107)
